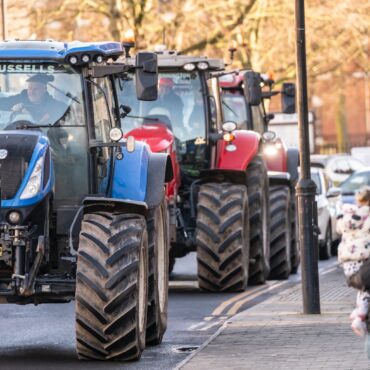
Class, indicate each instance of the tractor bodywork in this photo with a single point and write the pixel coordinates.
(239, 92)
(190, 106)
(77, 200)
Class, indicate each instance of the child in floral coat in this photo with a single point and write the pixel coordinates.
(354, 253)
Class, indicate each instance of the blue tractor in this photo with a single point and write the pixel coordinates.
(83, 213)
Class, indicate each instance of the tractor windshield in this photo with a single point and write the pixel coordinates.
(40, 94)
(234, 108)
(179, 106)
(49, 95)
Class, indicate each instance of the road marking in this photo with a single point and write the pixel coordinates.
(207, 324)
(239, 304)
(183, 284)
(331, 269)
(218, 310)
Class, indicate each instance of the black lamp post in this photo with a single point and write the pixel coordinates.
(306, 188)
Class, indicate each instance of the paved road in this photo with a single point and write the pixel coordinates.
(42, 337)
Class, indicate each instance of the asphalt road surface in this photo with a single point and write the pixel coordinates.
(42, 337)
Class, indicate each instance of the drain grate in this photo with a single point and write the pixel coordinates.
(187, 349)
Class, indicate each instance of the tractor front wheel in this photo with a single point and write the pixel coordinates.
(112, 287)
(259, 222)
(158, 236)
(280, 258)
(222, 237)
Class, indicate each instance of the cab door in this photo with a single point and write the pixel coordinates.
(104, 108)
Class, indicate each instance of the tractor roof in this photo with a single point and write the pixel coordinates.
(231, 80)
(172, 59)
(56, 51)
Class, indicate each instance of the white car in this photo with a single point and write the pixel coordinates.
(327, 214)
(339, 167)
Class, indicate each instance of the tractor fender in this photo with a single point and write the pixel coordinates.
(277, 162)
(279, 178)
(160, 171)
(140, 176)
(217, 175)
(247, 146)
(293, 163)
(113, 205)
(160, 140)
(131, 173)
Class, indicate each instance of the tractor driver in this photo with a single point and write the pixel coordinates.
(35, 101)
(170, 101)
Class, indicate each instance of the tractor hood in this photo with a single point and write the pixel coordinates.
(156, 135)
(20, 151)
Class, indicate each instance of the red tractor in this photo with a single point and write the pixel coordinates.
(222, 202)
(243, 96)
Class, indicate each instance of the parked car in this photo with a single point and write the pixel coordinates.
(327, 214)
(339, 167)
(353, 183)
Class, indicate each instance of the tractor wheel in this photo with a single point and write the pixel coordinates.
(325, 247)
(222, 237)
(259, 223)
(280, 257)
(295, 256)
(158, 274)
(112, 287)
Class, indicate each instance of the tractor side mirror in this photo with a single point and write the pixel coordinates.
(288, 98)
(252, 88)
(146, 76)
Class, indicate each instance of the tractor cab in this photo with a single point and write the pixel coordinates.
(236, 87)
(187, 105)
(57, 109)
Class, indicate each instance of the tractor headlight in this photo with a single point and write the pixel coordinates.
(73, 59)
(270, 150)
(229, 126)
(85, 58)
(14, 217)
(189, 67)
(99, 59)
(115, 134)
(202, 66)
(34, 183)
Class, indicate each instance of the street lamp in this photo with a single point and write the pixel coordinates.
(306, 188)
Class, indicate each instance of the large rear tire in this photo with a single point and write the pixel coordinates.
(158, 236)
(280, 258)
(259, 222)
(222, 237)
(112, 287)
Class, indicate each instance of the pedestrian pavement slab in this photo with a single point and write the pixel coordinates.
(275, 334)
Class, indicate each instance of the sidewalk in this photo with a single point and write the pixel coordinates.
(275, 335)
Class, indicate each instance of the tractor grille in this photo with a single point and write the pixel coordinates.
(13, 167)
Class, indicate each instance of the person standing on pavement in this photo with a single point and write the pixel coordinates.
(354, 254)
